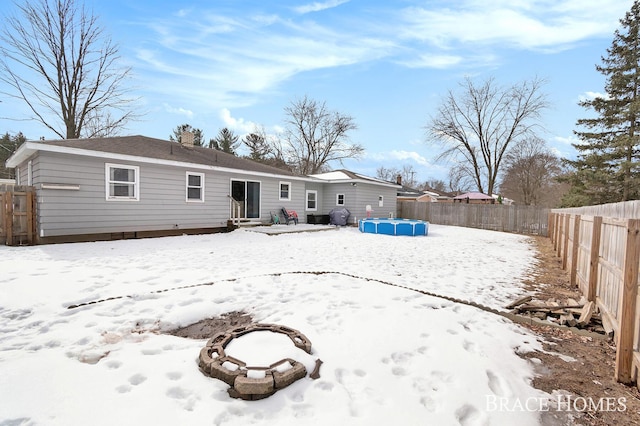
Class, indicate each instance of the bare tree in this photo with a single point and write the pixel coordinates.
(436, 184)
(315, 136)
(407, 175)
(57, 59)
(460, 179)
(530, 174)
(477, 126)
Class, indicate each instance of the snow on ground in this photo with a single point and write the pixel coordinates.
(391, 355)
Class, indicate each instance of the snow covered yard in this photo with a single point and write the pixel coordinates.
(391, 355)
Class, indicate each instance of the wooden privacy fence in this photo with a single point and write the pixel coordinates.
(602, 255)
(497, 217)
(17, 215)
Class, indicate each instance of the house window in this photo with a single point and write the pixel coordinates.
(30, 173)
(380, 201)
(122, 182)
(195, 186)
(312, 201)
(285, 191)
(18, 176)
(339, 199)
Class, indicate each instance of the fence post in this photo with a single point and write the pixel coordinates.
(31, 223)
(8, 217)
(574, 251)
(550, 216)
(594, 254)
(559, 223)
(3, 216)
(624, 352)
(565, 241)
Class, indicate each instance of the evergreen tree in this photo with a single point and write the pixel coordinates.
(259, 149)
(226, 141)
(607, 168)
(8, 145)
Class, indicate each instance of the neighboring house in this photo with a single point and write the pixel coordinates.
(434, 196)
(406, 193)
(474, 198)
(362, 195)
(136, 186)
(424, 196)
(504, 201)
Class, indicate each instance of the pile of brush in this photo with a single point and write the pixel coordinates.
(568, 312)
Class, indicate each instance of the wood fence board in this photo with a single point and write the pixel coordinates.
(624, 349)
(602, 243)
(3, 218)
(521, 219)
(18, 215)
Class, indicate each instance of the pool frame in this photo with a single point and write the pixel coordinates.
(386, 226)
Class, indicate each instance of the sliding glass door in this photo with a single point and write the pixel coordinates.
(247, 193)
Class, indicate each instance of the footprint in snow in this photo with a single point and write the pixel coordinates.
(174, 375)
(137, 379)
(497, 384)
(469, 346)
(113, 365)
(325, 386)
(177, 392)
(468, 415)
(123, 389)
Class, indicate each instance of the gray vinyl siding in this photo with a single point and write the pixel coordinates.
(368, 195)
(331, 191)
(357, 198)
(162, 204)
(270, 195)
(312, 186)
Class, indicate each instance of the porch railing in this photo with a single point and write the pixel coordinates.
(236, 209)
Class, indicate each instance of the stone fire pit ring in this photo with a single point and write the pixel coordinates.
(252, 382)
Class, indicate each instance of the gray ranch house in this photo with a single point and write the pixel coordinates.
(136, 186)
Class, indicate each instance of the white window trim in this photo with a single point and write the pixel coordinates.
(306, 200)
(186, 185)
(280, 191)
(18, 176)
(136, 182)
(380, 200)
(30, 173)
(344, 199)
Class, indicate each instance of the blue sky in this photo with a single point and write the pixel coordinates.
(237, 64)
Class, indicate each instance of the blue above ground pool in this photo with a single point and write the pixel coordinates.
(411, 227)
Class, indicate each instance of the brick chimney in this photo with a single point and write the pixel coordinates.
(186, 138)
(399, 179)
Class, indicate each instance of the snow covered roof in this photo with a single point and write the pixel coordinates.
(473, 196)
(346, 176)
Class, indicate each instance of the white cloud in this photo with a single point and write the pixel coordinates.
(178, 111)
(565, 141)
(537, 24)
(410, 155)
(318, 6)
(237, 124)
(400, 155)
(589, 96)
(433, 61)
(228, 61)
